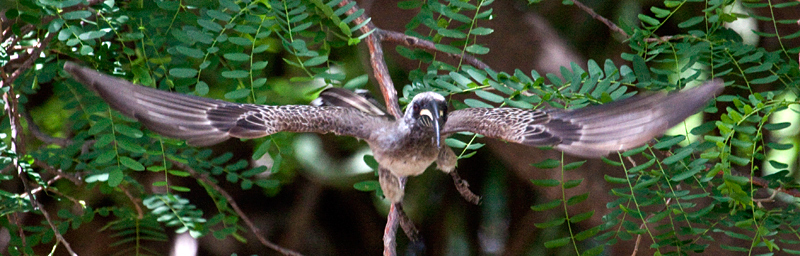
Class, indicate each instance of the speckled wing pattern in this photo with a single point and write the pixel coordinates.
(203, 121)
(592, 131)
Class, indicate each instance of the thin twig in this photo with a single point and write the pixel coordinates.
(55, 230)
(37, 132)
(602, 19)
(40, 188)
(58, 173)
(135, 201)
(256, 231)
(411, 41)
(770, 199)
(55, 191)
(18, 222)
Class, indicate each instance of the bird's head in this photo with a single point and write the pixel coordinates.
(428, 110)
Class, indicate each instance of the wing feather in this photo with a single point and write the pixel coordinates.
(592, 131)
(203, 122)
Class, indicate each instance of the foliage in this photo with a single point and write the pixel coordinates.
(692, 184)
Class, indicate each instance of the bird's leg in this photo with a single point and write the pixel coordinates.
(446, 162)
(408, 227)
(393, 188)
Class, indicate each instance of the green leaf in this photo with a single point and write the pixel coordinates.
(546, 182)
(128, 131)
(366, 186)
(581, 217)
(315, 61)
(86, 50)
(547, 164)
(640, 69)
(452, 33)
(547, 206)
(481, 31)
(612, 179)
(76, 15)
(557, 242)
(687, 174)
(91, 35)
(778, 146)
(660, 13)
(477, 49)
(489, 96)
(691, 22)
(190, 52)
(764, 80)
(777, 126)
(473, 103)
(235, 74)
(210, 25)
(577, 199)
(130, 163)
(551, 223)
(571, 183)
(115, 177)
(669, 142)
(183, 72)
(573, 165)
(649, 20)
(180, 188)
(236, 56)
(237, 94)
(678, 156)
(219, 15)
(409, 4)
(448, 49)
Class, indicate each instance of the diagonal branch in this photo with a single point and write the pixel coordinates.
(415, 42)
(256, 231)
(378, 63)
(37, 132)
(602, 19)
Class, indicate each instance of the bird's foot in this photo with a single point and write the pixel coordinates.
(463, 188)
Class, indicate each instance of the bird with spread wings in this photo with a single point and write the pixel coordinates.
(405, 146)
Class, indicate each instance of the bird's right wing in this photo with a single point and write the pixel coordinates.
(203, 121)
(592, 131)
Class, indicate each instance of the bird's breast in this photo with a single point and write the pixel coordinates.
(404, 153)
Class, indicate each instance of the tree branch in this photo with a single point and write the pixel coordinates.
(379, 69)
(256, 231)
(602, 19)
(37, 132)
(415, 42)
(18, 147)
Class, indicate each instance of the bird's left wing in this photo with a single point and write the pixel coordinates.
(592, 131)
(203, 121)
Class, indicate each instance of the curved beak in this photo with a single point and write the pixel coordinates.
(438, 122)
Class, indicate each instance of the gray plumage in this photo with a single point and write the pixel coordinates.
(202, 121)
(407, 146)
(591, 131)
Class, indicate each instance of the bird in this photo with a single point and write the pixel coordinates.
(405, 146)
